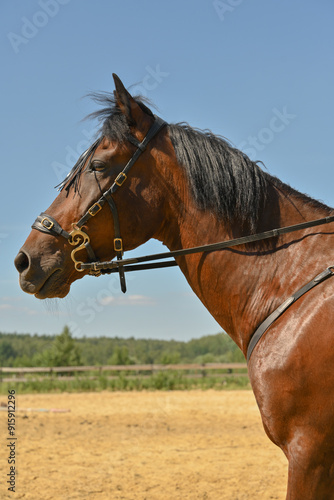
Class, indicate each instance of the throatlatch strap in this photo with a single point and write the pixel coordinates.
(118, 243)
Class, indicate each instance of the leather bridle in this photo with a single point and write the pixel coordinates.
(80, 239)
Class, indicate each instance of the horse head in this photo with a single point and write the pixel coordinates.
(100, 210)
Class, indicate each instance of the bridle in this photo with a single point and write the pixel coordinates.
(80, 239)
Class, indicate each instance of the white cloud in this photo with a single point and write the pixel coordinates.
(17, 309)
(5, 306)
(127, 300)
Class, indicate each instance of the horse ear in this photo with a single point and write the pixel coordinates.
(133, 113)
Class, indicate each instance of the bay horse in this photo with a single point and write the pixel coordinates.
(143, 178)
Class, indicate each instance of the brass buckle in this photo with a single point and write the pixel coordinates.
(118, 245)
(94, 209)
(50, 223)
(95, 272)
(120, 179)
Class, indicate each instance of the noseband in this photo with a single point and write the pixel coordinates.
(77, 237)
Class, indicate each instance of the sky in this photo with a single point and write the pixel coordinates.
(258, 72)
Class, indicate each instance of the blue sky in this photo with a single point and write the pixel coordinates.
(257, 72)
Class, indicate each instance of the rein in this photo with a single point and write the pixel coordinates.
(80, 239)
(112, 266)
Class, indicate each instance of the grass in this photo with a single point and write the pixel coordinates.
(161, 381)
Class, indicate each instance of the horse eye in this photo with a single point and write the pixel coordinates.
(97, 166)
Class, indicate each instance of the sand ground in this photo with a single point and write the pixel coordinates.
(142, 445)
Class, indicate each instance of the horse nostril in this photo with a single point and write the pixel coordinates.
(21, 262)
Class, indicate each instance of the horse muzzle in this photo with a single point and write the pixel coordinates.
(41, 279)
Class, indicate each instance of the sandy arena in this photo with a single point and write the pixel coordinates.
(142, 445)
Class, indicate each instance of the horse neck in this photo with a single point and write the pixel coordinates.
(240, 286)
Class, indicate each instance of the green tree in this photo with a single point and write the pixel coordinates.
(63, 352)
(170, 358)
(7, 352)
(121, 356)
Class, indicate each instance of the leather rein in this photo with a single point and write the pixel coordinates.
(80, 239)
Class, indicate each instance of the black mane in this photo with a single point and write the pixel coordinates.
(223, 179)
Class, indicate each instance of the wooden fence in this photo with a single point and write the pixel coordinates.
(24, 374)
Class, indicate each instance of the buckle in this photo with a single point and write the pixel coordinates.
(94, 271)
(118, 245)
(94, 209)
(47, 223)
(120, 179)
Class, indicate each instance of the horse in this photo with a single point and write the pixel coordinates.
(191, 189)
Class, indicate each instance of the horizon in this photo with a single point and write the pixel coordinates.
(113, 338)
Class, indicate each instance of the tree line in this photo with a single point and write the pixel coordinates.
(17, 349)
